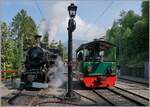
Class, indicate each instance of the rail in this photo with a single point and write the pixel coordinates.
(135, 80)
(130, 96)
(103, 97)
(118, 94)
(132, 93)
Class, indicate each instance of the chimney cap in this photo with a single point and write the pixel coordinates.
(38, 36)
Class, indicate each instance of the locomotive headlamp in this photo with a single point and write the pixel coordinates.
(72, 10)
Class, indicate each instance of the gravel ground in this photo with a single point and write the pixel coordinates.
(32, 98)
(135, 88)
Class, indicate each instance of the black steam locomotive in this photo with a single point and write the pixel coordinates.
(38, 62)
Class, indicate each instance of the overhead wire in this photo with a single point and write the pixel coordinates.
(106, 9)
(101, 14)
(40, 11)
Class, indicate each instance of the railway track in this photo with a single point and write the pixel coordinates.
(133, 81)
(132, 93)
(113, 96)
(118, 97)
(107, 97)
(93, 99)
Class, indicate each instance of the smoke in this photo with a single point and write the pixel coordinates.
(59, 14)
(42, 28)
(56, 74)
(57, 19)
(54, 18)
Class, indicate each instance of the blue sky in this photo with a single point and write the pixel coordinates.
(88, 12)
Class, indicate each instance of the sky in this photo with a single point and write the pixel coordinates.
(93, 17)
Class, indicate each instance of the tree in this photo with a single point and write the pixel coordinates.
(145, 10)
(130, 34)
(128, 19)
(8, 48)
(23, 29)
(141, 30)
(24, 25)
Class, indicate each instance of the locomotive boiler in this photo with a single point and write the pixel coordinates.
(38, 62)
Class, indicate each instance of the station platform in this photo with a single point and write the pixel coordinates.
(135, 79)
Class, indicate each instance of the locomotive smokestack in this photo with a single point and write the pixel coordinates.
(37, 40)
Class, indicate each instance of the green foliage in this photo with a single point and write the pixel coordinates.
(61, 48)
(131, 36)
(128, 19)
(145, 10)
(24, 26)
(53, 44)
(23, 29)
(9, 53)
(137, 60)
(109, 54)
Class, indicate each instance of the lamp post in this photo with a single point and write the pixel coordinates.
(71, 27)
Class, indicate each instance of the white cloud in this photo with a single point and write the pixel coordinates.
(86, 31)
(57, 20)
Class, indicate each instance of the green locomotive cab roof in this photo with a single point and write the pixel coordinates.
(97, 50)
(96, 44)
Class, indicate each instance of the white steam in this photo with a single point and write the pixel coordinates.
(57, 75)
(42, 28)
(55, 16)
(59, 13)
(57, 20)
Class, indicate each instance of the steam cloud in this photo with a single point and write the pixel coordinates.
(55, 17)
(56, 74)
(42, 28)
